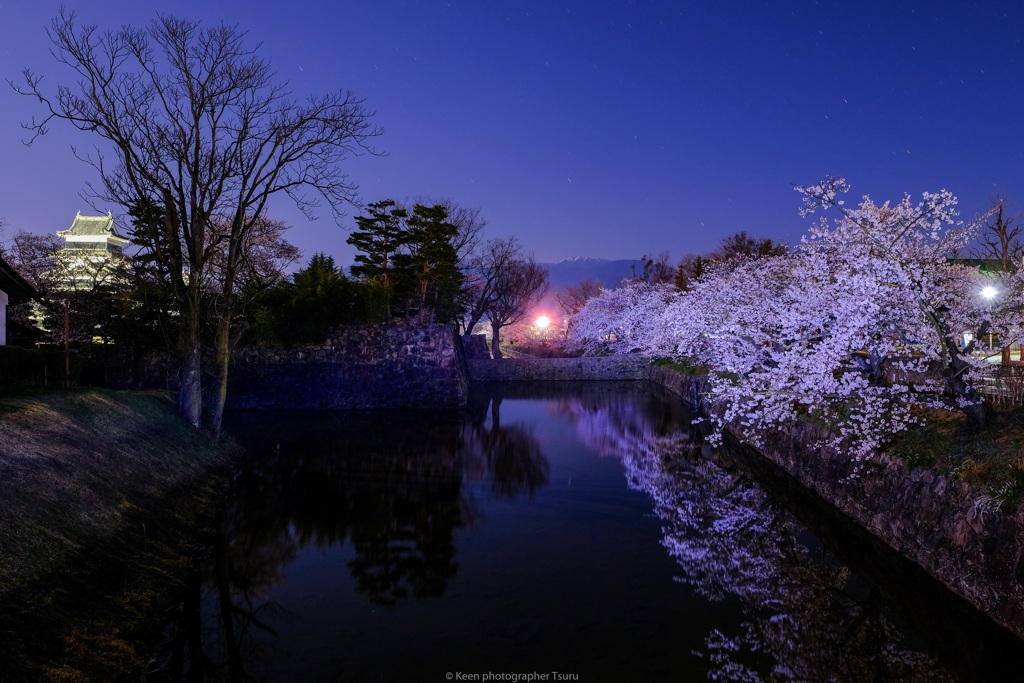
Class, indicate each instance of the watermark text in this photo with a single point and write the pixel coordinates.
(505, 677)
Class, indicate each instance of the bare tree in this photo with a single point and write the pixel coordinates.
(518, 286)
(263, 258)
(691, 268)
(193, 121)
(1000, 242)
(574, 298)
(732, 250)
(656, 269)
(741, 246)
(484, 276)
(1000, 237)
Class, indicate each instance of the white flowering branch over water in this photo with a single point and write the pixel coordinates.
(862, 320)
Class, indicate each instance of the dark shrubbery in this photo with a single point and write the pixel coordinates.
(318, 298)
(34, 367)
(539, 348)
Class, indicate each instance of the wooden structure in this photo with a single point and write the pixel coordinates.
(13, 289)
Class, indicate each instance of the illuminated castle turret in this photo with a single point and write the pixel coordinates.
(92, 246)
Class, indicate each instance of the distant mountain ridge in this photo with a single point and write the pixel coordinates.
(571, 271)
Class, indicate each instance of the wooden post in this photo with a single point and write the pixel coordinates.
(67, 345)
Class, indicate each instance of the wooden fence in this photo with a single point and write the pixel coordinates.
(1003, 385)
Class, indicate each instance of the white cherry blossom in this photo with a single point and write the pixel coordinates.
(852, 328)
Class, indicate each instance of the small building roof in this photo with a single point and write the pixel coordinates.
(15, 286)
(93, 226)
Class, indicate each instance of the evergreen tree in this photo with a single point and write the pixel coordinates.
(409, 259)
(429, 264)
(378, 238)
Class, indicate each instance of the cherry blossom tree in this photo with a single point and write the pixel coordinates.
(902, 251)
(623, 320)
(852, 328)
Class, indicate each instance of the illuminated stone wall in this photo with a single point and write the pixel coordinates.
(559, 369)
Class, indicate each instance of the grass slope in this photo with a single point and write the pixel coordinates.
(102, 494)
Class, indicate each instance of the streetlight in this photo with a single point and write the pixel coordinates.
(542, 323)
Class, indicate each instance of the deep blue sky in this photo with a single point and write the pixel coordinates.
(606, 129)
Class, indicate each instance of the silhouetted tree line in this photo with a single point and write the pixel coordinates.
(195, 136)
(425, 264)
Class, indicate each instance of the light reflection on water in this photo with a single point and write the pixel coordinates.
(576, 529)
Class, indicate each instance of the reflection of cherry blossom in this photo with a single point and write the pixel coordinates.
(807, 618)
(609, 430)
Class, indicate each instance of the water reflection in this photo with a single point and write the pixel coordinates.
(393, 505)
(511, 453)
(806, 615)
(395, 495)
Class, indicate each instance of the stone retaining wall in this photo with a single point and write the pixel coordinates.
(357, 367)
(940, 524)
(559, 369)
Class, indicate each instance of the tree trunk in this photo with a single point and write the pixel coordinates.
(495, 415)
(474, 319)
(495, 343)
(975, 410)
(222, 348)
(977, 417)
(423, 300)
(954, 375)
(222, 342)
(227, 611)
(955, 372)
(190, 387)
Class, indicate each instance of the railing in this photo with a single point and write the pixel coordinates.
(1003, 385)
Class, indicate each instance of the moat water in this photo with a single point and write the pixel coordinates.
(569, 532)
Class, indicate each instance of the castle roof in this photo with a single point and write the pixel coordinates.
(93, 226)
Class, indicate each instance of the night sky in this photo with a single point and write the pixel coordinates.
(603, 129)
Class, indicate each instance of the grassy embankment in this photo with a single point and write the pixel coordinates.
(103, 497)
(991, 461)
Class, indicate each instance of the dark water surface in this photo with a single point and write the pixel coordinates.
(578, 529)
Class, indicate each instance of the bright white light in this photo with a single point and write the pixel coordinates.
(542, 322)
(989, 292)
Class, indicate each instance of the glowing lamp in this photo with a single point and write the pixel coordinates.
(542, 323)
(989, 292)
